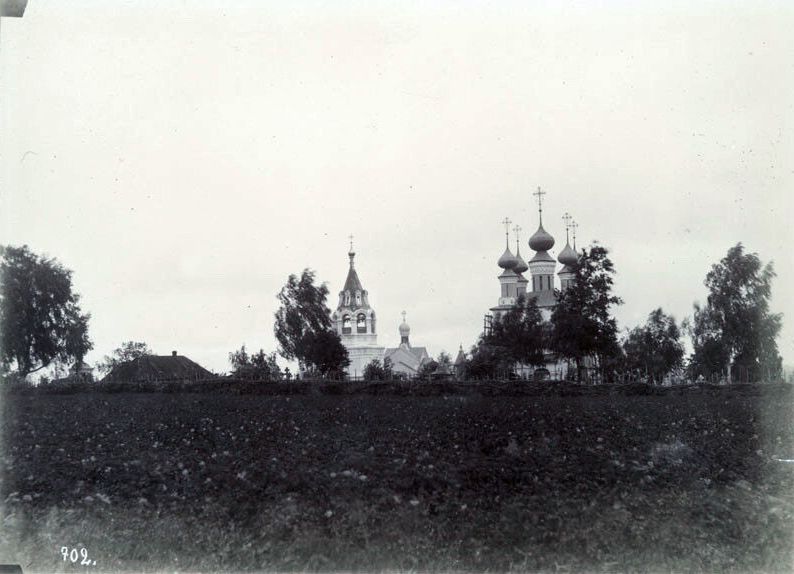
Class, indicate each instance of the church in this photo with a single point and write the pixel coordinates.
(541, 267)
(355, 322)
(407, 359)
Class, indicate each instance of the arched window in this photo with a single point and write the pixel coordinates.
(358, 297)
(361, 323)
(346, 327)
(347, 297)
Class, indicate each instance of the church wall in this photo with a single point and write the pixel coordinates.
(360, 357)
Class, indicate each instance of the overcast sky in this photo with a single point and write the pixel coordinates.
(183, 158)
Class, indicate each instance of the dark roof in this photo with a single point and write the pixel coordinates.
(352, 283)
(149, 367)
(542, 256)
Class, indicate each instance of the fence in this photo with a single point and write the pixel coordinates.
(333, 384)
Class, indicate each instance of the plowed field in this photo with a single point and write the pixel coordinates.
(688, 481)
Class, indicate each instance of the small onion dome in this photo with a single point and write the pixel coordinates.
(507, 260)
(541, 240)
(568, 256)
(405, 329)
(542, 256)
(521, 265)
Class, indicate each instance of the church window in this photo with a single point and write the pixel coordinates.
(347, 297)
(358, 297)
(361, 323)
(346, 328)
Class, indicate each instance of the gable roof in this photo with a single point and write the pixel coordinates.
(407, 358)
(420, 353)
(148, 367)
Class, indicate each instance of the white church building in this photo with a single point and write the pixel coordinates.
(356, 323)
(542, 267)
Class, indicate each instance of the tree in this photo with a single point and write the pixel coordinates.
(735, 329)
(127, 351)
(303, 326)
(40, 316)
(427, 369)
(375, 371)
(258, 366)
(486, 361)
(444, 362)
(654, 348)
(518, 337)
(710, 356)
(324, 354)
(581, 325)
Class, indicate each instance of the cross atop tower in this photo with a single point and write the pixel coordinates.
(506, 221)
(403, 314)
(517, 230)
(540, 195)
(351, 253)
(567, 219)
(574, 225)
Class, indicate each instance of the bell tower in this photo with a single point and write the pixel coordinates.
(354, 320)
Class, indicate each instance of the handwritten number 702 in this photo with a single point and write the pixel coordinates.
(73, 555)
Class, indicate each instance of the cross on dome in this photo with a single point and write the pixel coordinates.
(574, 225)
(520, 265)
(507, 260)
(506, 221)
(540, 195)
(567, 219)
(351, 253)
(541, 241)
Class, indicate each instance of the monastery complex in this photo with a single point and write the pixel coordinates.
(356, 323)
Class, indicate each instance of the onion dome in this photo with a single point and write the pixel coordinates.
(568, 256)
(507, 260)
(520, 265)
(541, 240)
(405, 329)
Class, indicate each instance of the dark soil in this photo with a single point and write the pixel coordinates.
(686, 481)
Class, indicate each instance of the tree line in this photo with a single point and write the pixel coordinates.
(733, 333)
